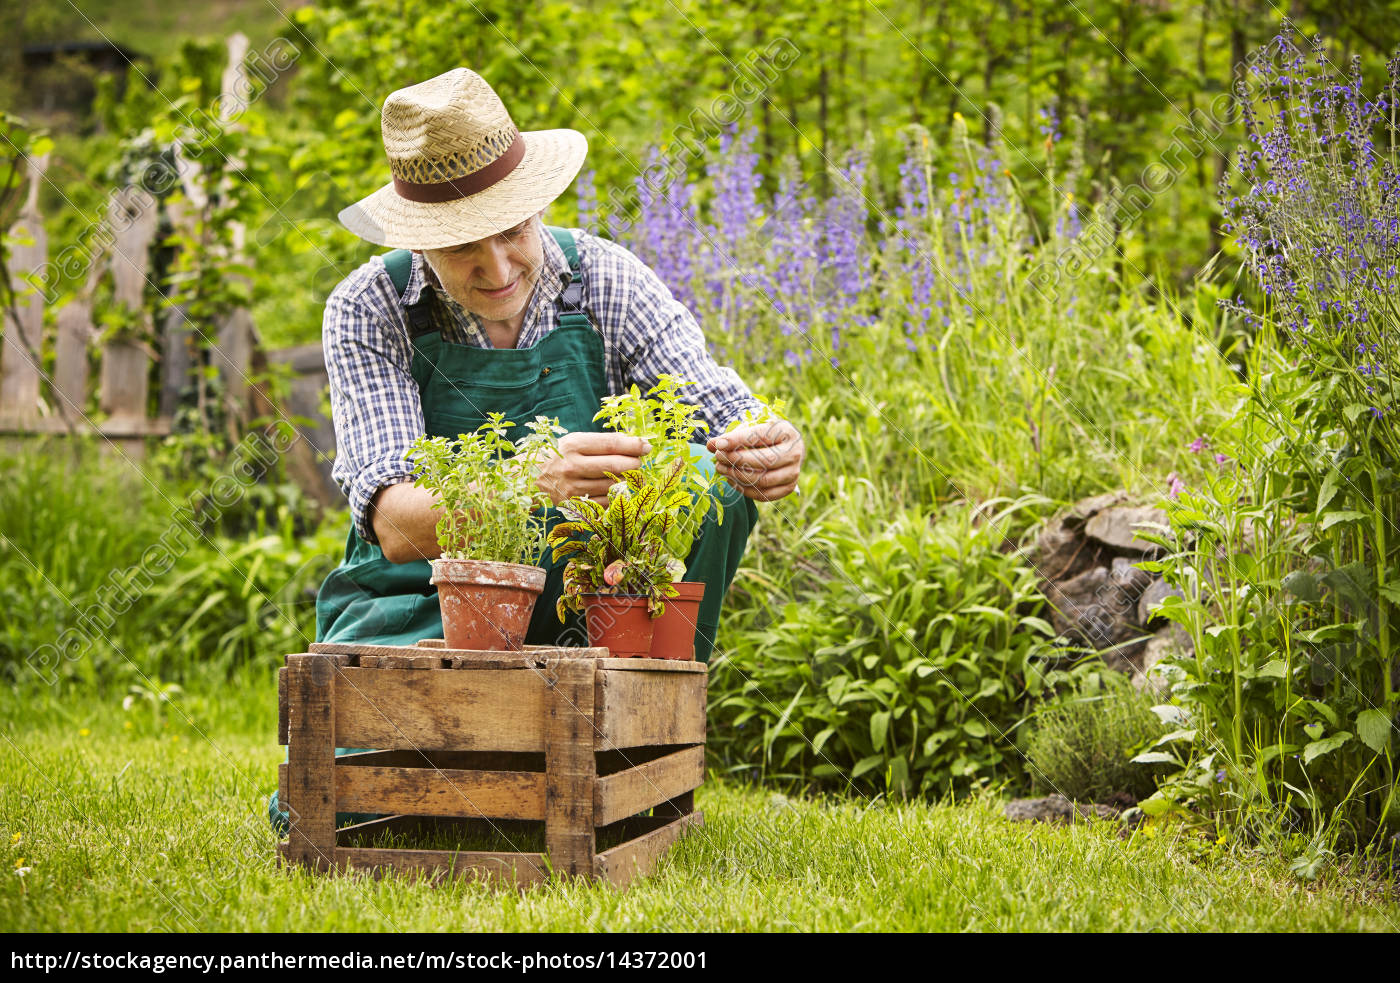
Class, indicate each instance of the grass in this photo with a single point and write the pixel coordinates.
(132, 824)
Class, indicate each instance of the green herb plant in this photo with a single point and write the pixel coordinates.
(486, 466)
(620, 548)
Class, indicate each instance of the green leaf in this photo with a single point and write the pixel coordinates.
(1154, 757)
(974, 728)
(1373, 727)
(865, 764)
(1174, 736)
(1328, 491)
(879, 728)
(1315, 731)
(1274, 667)
(1337, 518)
(1326, 746)
(1302, 585)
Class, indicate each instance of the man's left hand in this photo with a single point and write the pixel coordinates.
(763, 460)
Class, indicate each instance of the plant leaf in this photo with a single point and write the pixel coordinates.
(1373, 728)
(1325, 746)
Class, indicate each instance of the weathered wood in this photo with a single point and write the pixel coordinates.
(123, 430)
(402, 662)
(531, 657)
(73, 330)
(517, 869)
(21, 359)
(310, 784)
(628, 792)
(440, 792)
(651, 665)
(570, 770)
(491, 709)
(622, 863)
(432, 643)
(319, 658)
(635, 708)
(282, 706)
(177, 358)
(460, 760)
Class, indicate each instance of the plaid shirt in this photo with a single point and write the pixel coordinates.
(374, 400)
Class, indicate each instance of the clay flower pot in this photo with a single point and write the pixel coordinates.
(674, 634)
(486, 605)
(619, 621)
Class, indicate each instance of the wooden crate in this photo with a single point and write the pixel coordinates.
(564, 738)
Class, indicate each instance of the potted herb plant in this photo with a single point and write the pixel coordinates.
(486, 577)
(668, 424)
(621, 570)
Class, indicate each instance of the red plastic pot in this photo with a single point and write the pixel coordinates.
(486, 605)
(674, 634)
(621, 622)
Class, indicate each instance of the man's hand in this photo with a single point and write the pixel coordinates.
(763, 461)
(581, 467)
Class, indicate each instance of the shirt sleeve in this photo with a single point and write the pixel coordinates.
(658, 334)
(375, 404)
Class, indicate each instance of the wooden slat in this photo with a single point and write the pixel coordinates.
(73, 330)
(282, 706)
(519, 869)
(628, 792)
(493, 709)
(570, 770)
(402, 662)
(651, 665)
(622, 863)
(128, 428)
(125, 364)
(433, 643)
(437, 792)
(21, 357)
(309, 786)
(635, 708)
(318, 658)
(176, 358)
(282, 785)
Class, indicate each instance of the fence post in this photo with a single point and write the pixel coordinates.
(21, 361)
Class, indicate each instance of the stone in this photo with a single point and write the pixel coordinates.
(1092, 610)
(1127, 575)
(1154, 594)
(1118, 527)
(1169, 640)
(1056, 809)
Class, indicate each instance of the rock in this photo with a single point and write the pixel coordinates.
(1169, 640)
(1154, 594)
(1056, 809)
(1130, 577)
(1062, 552)
(1092, 610)
(1118, 527)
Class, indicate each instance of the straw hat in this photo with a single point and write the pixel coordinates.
(462, 171)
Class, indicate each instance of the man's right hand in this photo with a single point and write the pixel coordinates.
(581, 467)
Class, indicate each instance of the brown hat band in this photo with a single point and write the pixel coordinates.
(467, 184)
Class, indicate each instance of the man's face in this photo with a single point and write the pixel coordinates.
(492, 278)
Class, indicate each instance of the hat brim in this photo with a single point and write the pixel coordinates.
(551, 162)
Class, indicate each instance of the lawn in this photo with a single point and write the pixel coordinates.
(130, 823)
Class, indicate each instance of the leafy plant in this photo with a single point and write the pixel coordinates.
(1083, 743)
(668, 424)
(484, 466)
(621, 547)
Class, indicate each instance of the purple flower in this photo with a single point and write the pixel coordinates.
(1174, 486)
(1197, 445)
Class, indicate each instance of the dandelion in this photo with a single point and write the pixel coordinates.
(14, 840)
(84, 732)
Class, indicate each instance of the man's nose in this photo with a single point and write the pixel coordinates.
(496, 263)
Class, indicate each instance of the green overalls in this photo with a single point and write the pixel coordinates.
(369, 599)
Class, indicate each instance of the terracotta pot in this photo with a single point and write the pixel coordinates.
(486, 605)
(621, 622)
(674, 636)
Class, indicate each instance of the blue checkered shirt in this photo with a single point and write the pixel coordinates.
(374, 400)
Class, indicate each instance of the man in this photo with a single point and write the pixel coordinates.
(481, 309)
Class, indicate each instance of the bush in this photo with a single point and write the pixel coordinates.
(902, 671)
(1081, 745)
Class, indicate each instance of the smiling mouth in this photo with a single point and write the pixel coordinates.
(505, 291)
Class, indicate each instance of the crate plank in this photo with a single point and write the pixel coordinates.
(491, 709)
(628, 792)
(440, 792)
(401, 662)
(635, 708)
(651, 665)
(282, 706)
(622, 863)
(518, 869)
(21, 341)
(311, 763)
(570, 770)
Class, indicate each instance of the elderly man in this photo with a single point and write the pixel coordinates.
(482, 308)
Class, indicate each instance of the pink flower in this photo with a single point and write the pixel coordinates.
(1174, 486)
(1222, 459)
(1197, 445)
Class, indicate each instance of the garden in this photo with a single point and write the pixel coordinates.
(1080, 617)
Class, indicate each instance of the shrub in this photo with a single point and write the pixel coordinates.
(1081, 745)
(902, 671)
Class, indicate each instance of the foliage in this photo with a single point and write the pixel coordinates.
(622, 547)
(1082, 743)
(903, 672)
(486, 467)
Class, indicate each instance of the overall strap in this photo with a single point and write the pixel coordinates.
(399, 263)
(571, 313)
